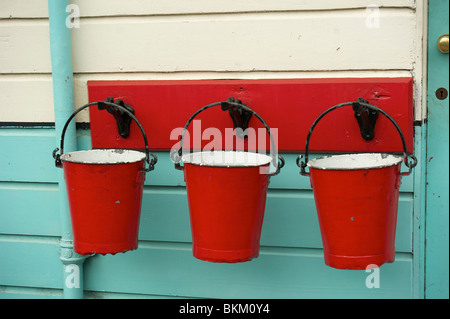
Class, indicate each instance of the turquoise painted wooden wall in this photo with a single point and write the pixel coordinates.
(437, 185)
(290, 264)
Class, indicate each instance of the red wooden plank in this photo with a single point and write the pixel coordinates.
(288, 105)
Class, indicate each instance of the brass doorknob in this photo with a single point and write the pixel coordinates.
(442, 43)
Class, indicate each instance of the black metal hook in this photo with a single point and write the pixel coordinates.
(101, 106)
(240, 116)
(360, 102)
(175, 155)
(122, 118)
(366, 118)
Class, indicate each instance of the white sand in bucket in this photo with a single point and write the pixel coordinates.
(355, 161)
(104, 156)
(226, 159)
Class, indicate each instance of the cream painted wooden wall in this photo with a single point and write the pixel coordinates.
(188, 39)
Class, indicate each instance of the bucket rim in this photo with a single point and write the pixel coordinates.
(373, 161)
(263, 159)
(119, 156)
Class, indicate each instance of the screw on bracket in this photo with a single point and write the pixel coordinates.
(366, 118)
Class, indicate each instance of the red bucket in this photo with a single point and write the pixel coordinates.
(356, 197)
(227, 196)
(104, 189)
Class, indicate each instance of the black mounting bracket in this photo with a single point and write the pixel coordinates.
(366, 118)
(239, 115)
(123, 120)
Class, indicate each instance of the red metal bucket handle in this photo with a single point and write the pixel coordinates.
(57, 157)
(176, 155)
(303, 164)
